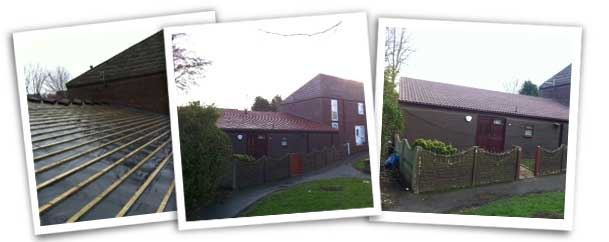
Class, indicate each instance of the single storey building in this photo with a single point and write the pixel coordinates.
(494, 121)
(134, 78)
(274, 133)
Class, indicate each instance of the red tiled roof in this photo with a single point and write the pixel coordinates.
(417, 91)
(255, 120)
(324, 85)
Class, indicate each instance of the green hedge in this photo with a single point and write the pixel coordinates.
(436, 146)
(205, 150)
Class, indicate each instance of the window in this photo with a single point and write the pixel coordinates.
(360, 108)
(284, 141)
(335, 125)
(528, 131)
(334, 108)
(498, 121)
(360, 134)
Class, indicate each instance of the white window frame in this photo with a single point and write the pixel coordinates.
(334, 109)
(361, 109)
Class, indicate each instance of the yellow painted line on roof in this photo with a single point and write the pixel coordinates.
(108, 190)
(95, 160)
(92, 134)
(85, 121)
(92, 127)
(54, 153)
(97, 175)
(143, 187)
(60, 162)
(78, 125)
(165, 200)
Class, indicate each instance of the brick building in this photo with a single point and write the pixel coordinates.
(135, 78)
(326, 111)
(558, 87)
(494, 121)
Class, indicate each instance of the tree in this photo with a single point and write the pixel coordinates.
(529, 88)
(205, 152)
(275, 102)
(397, 51)
(187, 66)
(261, 104)
(511, 86)
(35, 79)
(57, 79)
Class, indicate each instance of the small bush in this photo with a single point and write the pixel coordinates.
(205, 151)
(243, 157)
(436, 146)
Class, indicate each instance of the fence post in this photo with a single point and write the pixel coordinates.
(537, 160)
(474, 166)
(518, 162)
(563, 158)
(235, 170)
(415, 169)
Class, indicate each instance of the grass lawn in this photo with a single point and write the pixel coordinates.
(539, 205)
(361, 164)
(324, 195)
(529, 163)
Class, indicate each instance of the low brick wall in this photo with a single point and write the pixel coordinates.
(550, 162)
(426, 171)
(242, 174)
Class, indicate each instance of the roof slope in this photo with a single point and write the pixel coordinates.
(452, 96)
(561, 78)
(255, 120)
(324, 85)
(143, 58)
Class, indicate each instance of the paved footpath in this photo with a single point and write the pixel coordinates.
(240, 200)
(462, 198)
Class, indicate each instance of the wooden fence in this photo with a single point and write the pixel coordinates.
(426, 171)
(550, 162)
(242, 174)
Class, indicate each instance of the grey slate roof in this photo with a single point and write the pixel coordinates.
(144, 58)
(324, 85)
(416, 91)
(561, 78)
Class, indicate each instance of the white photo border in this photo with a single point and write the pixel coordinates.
(160, 21)
(565, 224)
(183, 224)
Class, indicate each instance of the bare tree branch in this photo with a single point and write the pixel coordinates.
(35, 78)
(304, 34)
(397, 49)
(57, 79)
(187, 65)
(511, 86)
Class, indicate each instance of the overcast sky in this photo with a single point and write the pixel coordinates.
(249, 62)
(78, 47)
(487, 55)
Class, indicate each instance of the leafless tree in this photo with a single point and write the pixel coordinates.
(187, 65)
(35, 78)
(397, 49)
(57, 79)
(512, 86)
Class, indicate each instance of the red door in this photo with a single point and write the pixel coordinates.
(490, 134)
(257, 145)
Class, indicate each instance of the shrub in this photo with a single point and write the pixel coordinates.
(436, 146)
(243, 157)
(205, 151)
(393, 119)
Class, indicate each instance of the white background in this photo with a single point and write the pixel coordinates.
(590, 193)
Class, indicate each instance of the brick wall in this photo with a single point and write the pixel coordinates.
(145, 92)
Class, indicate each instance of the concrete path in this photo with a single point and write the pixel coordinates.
(406, 201)
(239, 201)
